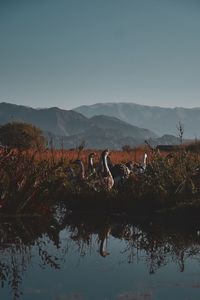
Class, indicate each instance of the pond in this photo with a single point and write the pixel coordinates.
(82, 256)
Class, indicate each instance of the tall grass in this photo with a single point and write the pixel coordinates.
(34, 181)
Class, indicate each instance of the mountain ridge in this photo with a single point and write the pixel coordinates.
(160, 120)
(99, 132)
(143, 105)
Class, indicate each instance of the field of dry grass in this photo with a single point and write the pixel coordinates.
(116, 156)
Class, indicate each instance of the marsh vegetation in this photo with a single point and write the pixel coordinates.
(36, 181)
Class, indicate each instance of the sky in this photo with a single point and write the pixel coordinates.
(68, 53)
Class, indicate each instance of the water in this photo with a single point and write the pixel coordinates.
(98, 258)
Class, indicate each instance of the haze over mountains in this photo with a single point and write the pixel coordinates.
(109, 125)
(98, 132)
(158, 119)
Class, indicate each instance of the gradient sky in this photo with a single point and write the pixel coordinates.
(71, 52)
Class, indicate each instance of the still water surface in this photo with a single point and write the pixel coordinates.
(98, 258)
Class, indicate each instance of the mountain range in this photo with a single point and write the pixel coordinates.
(157, 119)
(107, 125)
(71, 127)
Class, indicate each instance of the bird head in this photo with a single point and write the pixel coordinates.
(92, 155)
(105, 153)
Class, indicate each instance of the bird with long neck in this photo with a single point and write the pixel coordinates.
(141, 168)
(144, 162)
(85, 180)
(137, 168)
(91, 168)
(107, 178)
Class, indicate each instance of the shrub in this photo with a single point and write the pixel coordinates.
(21, 136)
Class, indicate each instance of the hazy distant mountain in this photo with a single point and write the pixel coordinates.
(159, 120)
(123, 128)
(98, 132)
(166, 139)
(97, 139)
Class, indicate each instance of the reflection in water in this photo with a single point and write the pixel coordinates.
(156, 244)
(18, 237)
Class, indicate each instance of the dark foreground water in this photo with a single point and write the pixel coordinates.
(98, 257)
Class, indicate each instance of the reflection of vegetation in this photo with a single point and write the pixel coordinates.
(159, 244)
(17, 240)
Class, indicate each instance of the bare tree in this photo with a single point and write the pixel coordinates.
(180, 130)
(81, 147)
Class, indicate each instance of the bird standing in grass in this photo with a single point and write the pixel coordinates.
(138, 168)
(120, 172)
(106, 176)
(91, 168)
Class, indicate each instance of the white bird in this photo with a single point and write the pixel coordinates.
(142, 167)
(106, 176)
(91, 168)
(145, 162)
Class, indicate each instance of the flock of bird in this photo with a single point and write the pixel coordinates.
(106, 173)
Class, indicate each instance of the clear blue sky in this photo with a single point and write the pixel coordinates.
(71, 52)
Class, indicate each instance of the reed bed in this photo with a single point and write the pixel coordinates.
(36, 181)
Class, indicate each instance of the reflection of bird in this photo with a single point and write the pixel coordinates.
(103, 236)
(106, 175)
